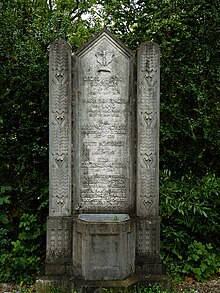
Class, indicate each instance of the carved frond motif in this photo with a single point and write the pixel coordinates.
(104, 58)
(60, 96)
(60, 68)
(149, 60)
(147, 118)
(148, 130)
(147, 159)
(59, 182)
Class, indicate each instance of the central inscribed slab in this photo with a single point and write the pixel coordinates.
(104, 128)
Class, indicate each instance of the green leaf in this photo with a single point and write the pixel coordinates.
(4, 199)
(3, 218)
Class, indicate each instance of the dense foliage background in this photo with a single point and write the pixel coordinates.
(188, 34)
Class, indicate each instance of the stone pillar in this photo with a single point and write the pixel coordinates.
(59, 223)
(148, 223)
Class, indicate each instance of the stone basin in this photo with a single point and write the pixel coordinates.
(105, 246)
(104, 218)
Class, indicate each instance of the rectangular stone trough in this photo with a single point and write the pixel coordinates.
(104, 246)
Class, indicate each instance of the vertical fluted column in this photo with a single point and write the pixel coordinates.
(59, 222)
(60, 123)
(148, 93)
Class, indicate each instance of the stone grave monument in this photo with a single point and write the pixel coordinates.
(103, 223)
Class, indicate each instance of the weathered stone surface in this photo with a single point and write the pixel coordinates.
(148, 93)
(59, 129)
(129, 285)
(148, 221)
(104, 249)
(148, 246)
(59, 245)
(104, 126)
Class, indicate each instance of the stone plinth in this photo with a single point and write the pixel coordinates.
(129, 285)
(104, 246)
(59, 246)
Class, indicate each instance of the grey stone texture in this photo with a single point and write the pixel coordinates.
(59, 245)
(102, 96)
(59, 129)
(147, 201)
(103, 219)
(148, 94)
(103, 249)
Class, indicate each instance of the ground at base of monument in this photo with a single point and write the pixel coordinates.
(212, 285)
(131, 284)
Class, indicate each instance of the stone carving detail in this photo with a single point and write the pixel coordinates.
(104, 58)
(148, 235)
(59, 239)
(60, 197)
(148, 130)
(104, 127)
